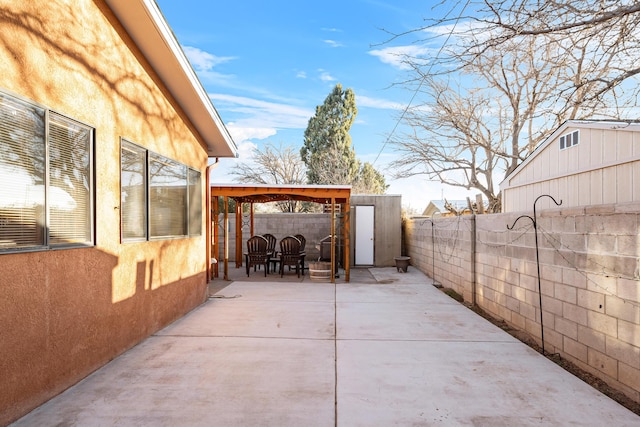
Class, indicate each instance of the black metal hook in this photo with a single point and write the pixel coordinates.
(534, 219)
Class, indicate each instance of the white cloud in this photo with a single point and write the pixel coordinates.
(397, 56)
(241, 134)
(365, 101)
(301, 75)
(333, 43)
(204, 61)
(260, 119)
(325, 76)
(246, 150)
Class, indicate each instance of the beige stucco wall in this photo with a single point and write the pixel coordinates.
(603, 168)
(65, 313)
(589, 277)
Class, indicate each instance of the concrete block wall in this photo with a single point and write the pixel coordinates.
(589, 279)
(314, 227)
(448, 261)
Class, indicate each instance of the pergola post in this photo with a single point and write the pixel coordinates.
(215, 225)
(226, 238)
(251, 219)
(238, 234)
(333, 240)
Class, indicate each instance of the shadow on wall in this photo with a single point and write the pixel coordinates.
(60, 322)
(101, 64)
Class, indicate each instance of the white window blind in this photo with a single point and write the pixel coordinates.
(69, 191)
(46, 170)
(167, 198)
(22, 168)
(133, 191)
(160, 198)
(195, 203)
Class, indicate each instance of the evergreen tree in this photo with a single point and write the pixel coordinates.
(327, 150)
(369, 181)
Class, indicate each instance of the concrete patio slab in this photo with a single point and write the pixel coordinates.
(261, 291)
(269, 319)
(414, 322)
(267, 353)
(203, 381)
(463, 384)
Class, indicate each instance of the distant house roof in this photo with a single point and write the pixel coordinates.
(148, 29)
(438, 206)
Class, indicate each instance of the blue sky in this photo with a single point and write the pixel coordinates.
(267, 65)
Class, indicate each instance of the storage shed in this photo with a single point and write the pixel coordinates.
(582, 163)
(376, 229)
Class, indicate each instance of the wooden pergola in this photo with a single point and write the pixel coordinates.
(335, 197)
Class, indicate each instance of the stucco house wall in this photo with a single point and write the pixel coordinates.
(603, 168)
(65, 313)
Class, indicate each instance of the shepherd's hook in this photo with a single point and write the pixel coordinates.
(534, 220)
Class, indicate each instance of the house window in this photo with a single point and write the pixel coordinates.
(160, 198)
(167, 198)
(133, 191)
(569, 140)
(46, 170)
(195, 203)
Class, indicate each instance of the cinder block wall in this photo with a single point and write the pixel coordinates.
(314, 227)
(589, 277)
(448, 262)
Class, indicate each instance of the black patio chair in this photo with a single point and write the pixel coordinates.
(271, 243)
(289, 254)
(271, 249)
(303, 254)
(257, 254)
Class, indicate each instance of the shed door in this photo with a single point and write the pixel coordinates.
(364, 235)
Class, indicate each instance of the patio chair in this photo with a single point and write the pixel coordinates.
(271, 250)
(257, 254)
(289, 254)
(271, 243)
(303, 254)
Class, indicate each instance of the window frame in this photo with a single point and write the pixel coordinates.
(569, 139)
(149, 157)
(46, 242)
(144, 235)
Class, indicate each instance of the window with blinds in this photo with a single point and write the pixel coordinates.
(46, 169)
(133, 191)
(70, 182)
(195, 203)
(160, 198)
(167, 198)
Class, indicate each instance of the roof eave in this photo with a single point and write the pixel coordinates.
(143, 21)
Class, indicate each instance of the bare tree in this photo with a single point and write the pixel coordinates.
(512, 90)
(275, 165)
